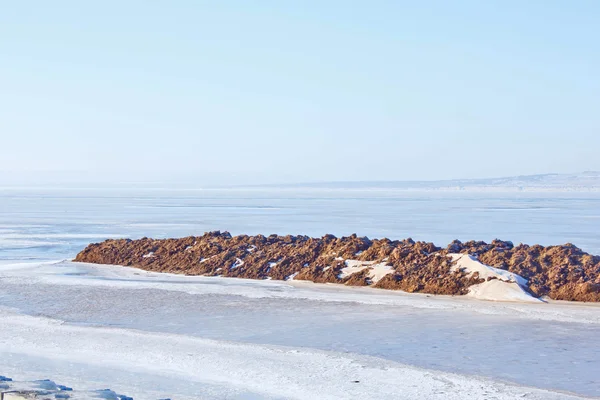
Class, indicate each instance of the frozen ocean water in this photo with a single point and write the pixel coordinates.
(49, 224)
(51, 309)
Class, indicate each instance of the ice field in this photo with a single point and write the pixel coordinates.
(154, 336)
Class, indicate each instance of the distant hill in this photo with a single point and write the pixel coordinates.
(588, 181)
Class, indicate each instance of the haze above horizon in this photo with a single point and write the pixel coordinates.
(265, 92)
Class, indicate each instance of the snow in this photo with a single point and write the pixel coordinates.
(16, 396)
(470, 265)
(291, 277)
(149, 255)
(498, 290)
(267, 371)
(271, 265)
(500, 285)
(238, 263)
(376, 270)
(46, 389)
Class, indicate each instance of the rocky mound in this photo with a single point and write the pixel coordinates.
(559, 272)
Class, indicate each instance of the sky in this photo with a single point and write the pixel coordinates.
(235, 92)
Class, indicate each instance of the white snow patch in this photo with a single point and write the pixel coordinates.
(291, 277)
(469, 264)
(504, 285)
(151, 254)
(271, 265)
(376, 270)
(251, 249)
(498, 290)
(238, 263)
(339, 258)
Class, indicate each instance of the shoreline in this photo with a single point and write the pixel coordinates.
(135, 278)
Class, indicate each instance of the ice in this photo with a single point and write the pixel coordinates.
(436, 333)
(149, 334)
(267, 370)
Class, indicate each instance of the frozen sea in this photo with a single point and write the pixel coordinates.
(157, 335)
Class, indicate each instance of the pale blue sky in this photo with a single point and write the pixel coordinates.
(284, 91)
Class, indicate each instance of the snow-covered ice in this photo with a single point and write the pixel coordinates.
(264, 370)
(154, 335)
(317, 339)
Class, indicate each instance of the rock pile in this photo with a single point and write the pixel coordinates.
(560, 272)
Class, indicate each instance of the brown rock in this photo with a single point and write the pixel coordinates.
(560, 272)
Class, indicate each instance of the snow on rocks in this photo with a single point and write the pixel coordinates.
(499, 284)
(470, 265)
(238, 263)
(558, 272)
(271, 265)
(376, 270)
(291, 277)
